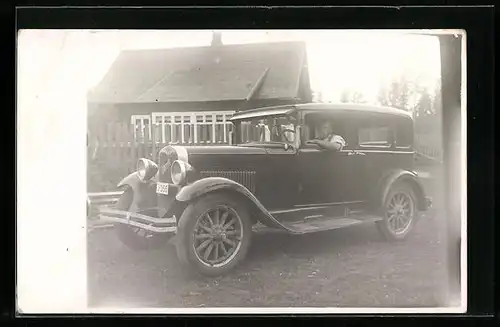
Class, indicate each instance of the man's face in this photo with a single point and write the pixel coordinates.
(326, 129)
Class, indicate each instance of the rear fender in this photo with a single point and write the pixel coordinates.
(209, 185)
(396, 176)
(144, 192)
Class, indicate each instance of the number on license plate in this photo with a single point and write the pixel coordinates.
(162, 188)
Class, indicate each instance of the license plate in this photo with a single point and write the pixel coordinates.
(162, 188)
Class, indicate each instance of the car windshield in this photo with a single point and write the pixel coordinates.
(276, 129)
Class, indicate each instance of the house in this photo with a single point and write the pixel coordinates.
(187, 94)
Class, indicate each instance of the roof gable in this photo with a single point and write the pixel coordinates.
(227, 72)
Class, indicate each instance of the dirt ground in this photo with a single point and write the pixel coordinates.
(350, 267)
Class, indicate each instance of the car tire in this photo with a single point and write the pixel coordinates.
(200, 238)
(135, 238)
(399, 212)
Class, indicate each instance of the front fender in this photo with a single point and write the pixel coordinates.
(214, 184)
(132, 180)
(394, 176)
(144, 192)
(209, 184)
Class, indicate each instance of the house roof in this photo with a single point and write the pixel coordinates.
(327, 107)
(210, 73)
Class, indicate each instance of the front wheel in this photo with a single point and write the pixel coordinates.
(214, 234)
(400, 213)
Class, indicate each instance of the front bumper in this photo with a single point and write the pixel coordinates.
(152, 204)
(149, 223)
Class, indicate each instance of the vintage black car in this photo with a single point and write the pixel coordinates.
(208, 199)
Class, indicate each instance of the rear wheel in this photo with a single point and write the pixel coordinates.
(136, 238)
(400, 213)
(214, 234)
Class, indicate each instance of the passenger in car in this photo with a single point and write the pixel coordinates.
(328, 139)
(265, 133)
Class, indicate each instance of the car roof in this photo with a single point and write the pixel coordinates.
(263, 112)
(327, 107)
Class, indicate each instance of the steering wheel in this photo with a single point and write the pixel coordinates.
(285, 131)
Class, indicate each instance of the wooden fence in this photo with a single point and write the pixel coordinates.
(115, 146)
(429, 146)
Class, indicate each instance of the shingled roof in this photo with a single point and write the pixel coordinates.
(210, 73)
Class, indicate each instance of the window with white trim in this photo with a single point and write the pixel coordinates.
(205, 127)
(142, 126)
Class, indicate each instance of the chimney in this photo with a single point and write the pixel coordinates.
(216, 39)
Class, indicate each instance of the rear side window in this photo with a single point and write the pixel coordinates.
(375, 136)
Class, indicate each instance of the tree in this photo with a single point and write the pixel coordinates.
(424, 105)
(317, 96)
(350, 96)
(429, 101)
(397, 94)
(358, 97)
(437, 101)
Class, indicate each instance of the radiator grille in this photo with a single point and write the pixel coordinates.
(245, 177)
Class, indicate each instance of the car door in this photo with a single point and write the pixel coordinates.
(279, 182)
(320, 176)
(321, 180)
(372, 155)
(282, 181)
(356, 180)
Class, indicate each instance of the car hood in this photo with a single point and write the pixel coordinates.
(226, 158)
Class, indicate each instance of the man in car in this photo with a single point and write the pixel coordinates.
(265, 133)
(287, 129)
(328, 139)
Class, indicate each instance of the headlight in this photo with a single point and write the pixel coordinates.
(146, 169)
(178, 172)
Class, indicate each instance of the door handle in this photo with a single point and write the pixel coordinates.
(357, 153)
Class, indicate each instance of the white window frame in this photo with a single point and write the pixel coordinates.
(160, 119)
(141, 118)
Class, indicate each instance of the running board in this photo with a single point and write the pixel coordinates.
(318, 225)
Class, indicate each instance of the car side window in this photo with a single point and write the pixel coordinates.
(314, 129)
(404, 136)
(375, 136)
